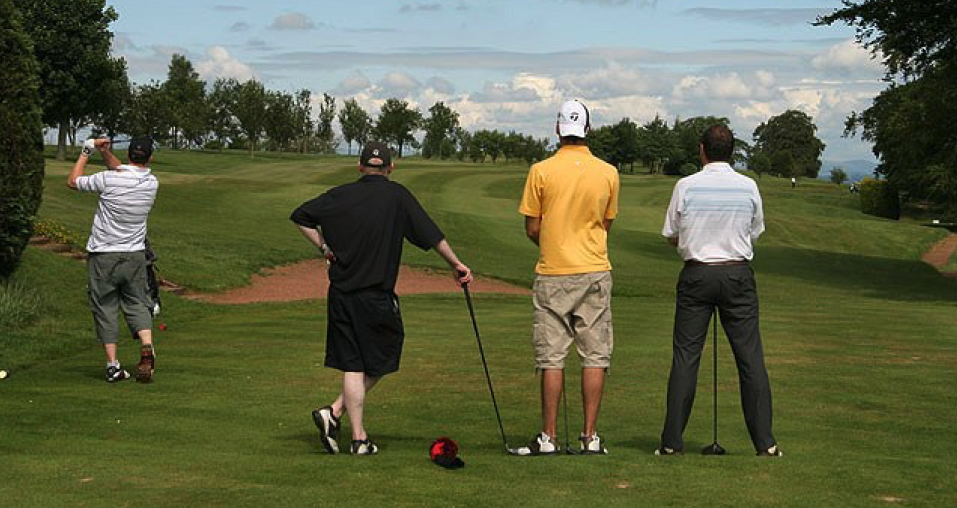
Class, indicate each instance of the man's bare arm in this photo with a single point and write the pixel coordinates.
(462, 273)
(606, 223)
(533, 228)
(77, 170)
(103, 145)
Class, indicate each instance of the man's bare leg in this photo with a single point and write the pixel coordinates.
(593, 384)
(552, 381)
(355, 385)
(110, 350)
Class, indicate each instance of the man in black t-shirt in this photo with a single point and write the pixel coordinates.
(360, 228)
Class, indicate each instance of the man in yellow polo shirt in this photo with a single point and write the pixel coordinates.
(569, 203)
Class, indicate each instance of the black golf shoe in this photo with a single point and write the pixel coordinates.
(364, 447)
(115, 374)
(592, 445)
(665, 451)
(328, 426)
(773, 451)
(541, 444)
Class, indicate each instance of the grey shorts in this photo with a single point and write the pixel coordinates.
(117, 281)
(573, 309)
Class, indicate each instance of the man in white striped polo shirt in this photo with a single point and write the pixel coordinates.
(117, 261)
(713, 219)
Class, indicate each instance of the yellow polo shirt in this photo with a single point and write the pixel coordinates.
(573, 192)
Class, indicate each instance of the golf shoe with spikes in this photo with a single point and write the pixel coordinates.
(592, 445)
(328, 426)
(542, 444)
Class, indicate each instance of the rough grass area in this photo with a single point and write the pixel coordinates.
(19, 305)
(858, 333)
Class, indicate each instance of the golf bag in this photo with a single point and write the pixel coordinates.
(152, 284)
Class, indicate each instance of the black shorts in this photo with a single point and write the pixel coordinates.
(365, 331)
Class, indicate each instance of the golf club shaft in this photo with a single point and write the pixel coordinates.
(714, 372)
(565, 411)
(488, 378)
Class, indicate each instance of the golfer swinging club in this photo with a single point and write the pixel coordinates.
(359, 227)
(713, 219)
(116, 261)
(569, 203)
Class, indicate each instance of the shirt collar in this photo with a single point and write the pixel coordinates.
(373, 178)
(717, 167)
(133, 169)
(582, 149)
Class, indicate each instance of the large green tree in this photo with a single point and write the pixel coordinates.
(792, 132)
(250, 111)
(188, 109)
(71, 41)
(397, 123)
(439, 128)
(325, 136)
(356, 124)
(913, 123)
(149, 112)
(21, 139)
(280, 122)
(222, 104)
(302, 119)
(112, 104)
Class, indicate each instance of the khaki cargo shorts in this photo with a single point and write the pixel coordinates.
(572, 308)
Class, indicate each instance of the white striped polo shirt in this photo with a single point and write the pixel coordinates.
(716, 214)
(126, 197)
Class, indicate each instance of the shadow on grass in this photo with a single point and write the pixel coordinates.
(876, 277)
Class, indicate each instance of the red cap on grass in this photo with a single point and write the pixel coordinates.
(444, 452)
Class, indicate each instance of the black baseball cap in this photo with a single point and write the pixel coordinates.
(140, 150)
(375, 154)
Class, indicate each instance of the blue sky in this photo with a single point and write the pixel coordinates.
(507, 64)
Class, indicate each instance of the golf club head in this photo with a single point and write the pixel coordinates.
(512, 451)
(713, 449)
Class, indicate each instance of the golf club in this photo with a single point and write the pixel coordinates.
(568, 448)
(488, 378)
(714, 448)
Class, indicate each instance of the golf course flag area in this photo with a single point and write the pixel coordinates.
(859, 339)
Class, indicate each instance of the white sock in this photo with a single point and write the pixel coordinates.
(115, 363)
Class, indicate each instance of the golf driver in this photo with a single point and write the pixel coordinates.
(488, 378)
(714, 448)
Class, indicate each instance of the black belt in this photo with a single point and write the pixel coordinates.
(736, 262)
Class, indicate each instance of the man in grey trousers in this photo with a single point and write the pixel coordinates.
(713, 218)
(117, 263)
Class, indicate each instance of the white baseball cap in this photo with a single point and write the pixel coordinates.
(573, 119)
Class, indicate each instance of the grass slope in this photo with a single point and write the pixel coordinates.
(858, 336)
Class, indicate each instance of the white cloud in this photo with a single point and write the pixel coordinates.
(353, 84)
(727, 86)
(220, 64)
(440, 85)
(846, 57)
(293, 21)
(397, 84)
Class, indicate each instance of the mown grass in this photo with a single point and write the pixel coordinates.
(859, 338)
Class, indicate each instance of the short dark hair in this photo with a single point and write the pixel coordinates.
(718, 143)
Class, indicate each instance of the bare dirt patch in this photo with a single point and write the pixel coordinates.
(307, 280)
(938, 255)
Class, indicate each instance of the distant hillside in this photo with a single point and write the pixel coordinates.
(855, 169)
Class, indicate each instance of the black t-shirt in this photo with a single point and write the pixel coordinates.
(364, 224)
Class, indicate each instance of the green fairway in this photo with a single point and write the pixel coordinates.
(859, 338)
